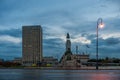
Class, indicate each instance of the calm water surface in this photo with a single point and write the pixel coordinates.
(36, 74)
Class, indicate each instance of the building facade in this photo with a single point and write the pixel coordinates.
(82, 58)
(50, 61)
(31, 45)
(17, 60)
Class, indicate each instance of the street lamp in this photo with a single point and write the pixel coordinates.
(99, 25)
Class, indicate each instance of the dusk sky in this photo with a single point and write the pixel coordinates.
(57, 18)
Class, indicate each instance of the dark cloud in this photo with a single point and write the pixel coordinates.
(110, 51)
(76, 17)
(110, 47)
(9, 50)
(53, 47)
(52, 43)
(107, 47)
(12, 32)
(112, 41)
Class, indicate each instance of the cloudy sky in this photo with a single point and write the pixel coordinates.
(58, 17)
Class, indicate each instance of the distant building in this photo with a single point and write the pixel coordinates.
(17, 60)
(31, 45)
(82, 58)
(50, 60)
(72, 60)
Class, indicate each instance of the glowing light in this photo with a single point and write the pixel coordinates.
(101, 25)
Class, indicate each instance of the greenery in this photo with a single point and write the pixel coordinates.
(9, 64)
(105, 62)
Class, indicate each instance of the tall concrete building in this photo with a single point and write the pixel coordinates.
(31, 45)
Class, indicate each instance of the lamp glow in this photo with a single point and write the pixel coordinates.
(101, 25)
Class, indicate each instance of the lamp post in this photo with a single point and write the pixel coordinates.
(99, 25)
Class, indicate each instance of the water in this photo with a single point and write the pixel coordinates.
(36, 74)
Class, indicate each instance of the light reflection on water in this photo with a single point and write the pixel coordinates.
(36, 74)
